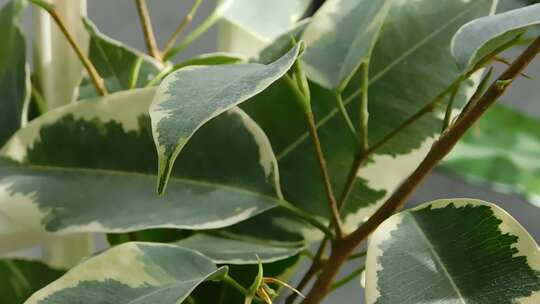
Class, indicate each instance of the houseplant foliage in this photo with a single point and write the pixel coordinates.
(213, 177)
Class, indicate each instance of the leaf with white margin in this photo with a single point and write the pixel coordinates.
(21, 278)
(482, 36)
(14, 78)
(406, 43)
(58, 69)
(339, 37)
(238, 252)
(452, 251)
(121, 67)
(132, 273)
(190, 97)
(502, 151)
(90, 167)
(253, 15)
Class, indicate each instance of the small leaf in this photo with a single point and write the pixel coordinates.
(452, 251)
(501, 151)
(21, 278)
(142, 273)
(238, 252)
(192, 96)
(339, 37)
(478, 38)
(14, 79)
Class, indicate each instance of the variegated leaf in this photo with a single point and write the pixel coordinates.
(21, 278)
(502, 151)
(190, 97)
(224, 250)
(14, 78)
(122, 67)
(218, 58)
(452, 251)
(482, 36)
(340, 36)
(406, 43)
(90, 167)
(144, 273)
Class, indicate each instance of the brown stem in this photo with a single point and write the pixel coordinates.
(315, 267)
(336, 219)
(88, 65)
(148, 31)
(182, 26)
(343, 248)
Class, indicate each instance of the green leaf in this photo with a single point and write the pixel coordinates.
(339, 37)
(452, 251)
(247, 15)
(482, 36)
(501, 151)
(132, 273)
(121, 67)
(90, 167)
(21, 278)
(14, 79)
(192, 96)
(211, 59)
(401, 83)
(238, 252)
(283, 43)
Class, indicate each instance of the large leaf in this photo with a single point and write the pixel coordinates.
(90, 167)
(283, 43)
(121, 67)
(21, 278)
(452, 251)
(253, 15)
(482, 36)
(13, 70)
(58, 69)
(339, 37)
(132, 273)
(192, 96)
(411, 64)
(502, 150)
(239, 252)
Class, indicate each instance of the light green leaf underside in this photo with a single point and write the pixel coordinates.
(415, 32)
(142, 273)
(339, 37)
(254, 16)
(482, 36)
(14, 80)
(190, 97)
(453, 251)
(121, 67)
(91, 167)
(21, 278)
(502, 150)
(228, 251)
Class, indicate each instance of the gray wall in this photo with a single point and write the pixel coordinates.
(119, 20)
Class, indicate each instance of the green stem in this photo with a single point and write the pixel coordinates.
(347, 279)
(134, 77)
(358, 255)
(307, 218)
(450, 106)
(343, 111)
(194, 35)
(364, 112)
(39, 100)
(154, 81)
(182, 26)
(232, 282)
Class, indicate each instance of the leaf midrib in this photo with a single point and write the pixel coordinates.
(150, 176)
(291, 147)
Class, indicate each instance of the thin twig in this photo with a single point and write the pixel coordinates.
(364, 111)
(343, 111)
(89, 66)
(347, 278)
(182, 26)
(450, 107)
(148, 31)
(342, 249)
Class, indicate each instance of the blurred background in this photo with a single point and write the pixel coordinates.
(118, 19)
